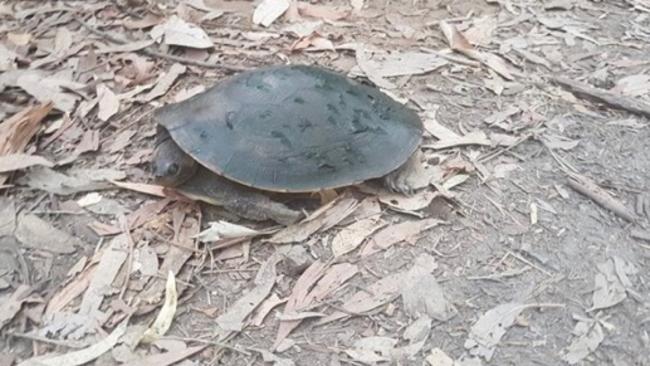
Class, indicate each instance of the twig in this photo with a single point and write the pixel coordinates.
(590, 189)
(530, 263)
(153, 53)
(614, 100)
(37, 338)
(496, 153)
(213, 343)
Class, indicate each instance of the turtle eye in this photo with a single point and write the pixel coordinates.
(172, 169)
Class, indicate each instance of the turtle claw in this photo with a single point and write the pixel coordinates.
(400, 180)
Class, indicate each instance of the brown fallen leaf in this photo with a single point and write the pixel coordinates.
(378, 65)
(82, 356)
(352, 236)
(268, 11)
(12, 162)
(482, 29)
(166, 315)
(71, 291)
(265, 308)
(459, 43)
(406, 231)
(167, 358)
(421, 293)
(376, 294)
(50, 89)
(149, 20)
(164, 82)
(320, 220)
(109, 103)
(151, 189)
(325, 12)
(633, 85)
(78, 180)
(122, 140)
(220, 230)
(100, 285)
(298, 299)
(36, 233)
(588, 335)
(414, 202)
(486, 333)
(177, 32)
(12, 304)
(18, 130)
(235, 317)
(476, 137)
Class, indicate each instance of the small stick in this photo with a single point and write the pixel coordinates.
(152, 53)
(590, 189)
(612, 99)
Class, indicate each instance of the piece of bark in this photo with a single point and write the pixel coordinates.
(612, 99)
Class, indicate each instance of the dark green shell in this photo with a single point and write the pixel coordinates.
(294, 129)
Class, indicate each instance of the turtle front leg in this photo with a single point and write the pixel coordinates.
(402, 179)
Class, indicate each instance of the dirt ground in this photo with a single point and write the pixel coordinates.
(528, 244)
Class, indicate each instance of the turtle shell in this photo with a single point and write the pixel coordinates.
(294, 129)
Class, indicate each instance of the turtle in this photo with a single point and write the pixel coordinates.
(282, 129)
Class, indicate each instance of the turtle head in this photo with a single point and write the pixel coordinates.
(171, 165)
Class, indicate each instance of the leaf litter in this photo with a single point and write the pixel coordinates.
(81, 72)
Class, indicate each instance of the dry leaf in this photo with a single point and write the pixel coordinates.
(414, 202)
(178, 32)
(164, 82)
(49, 89)
(304, 29)
(458, 42)
(325, 12)
(480, 33)
(78, 180)
(109, 104)
(298, 298)
(19, 39)
(82, 356)
(609, 289)
(589, 334)
(438, 357)
(376, 294)
(225, 230)
(7, 61)
(322, 219)
(122, 140)
(234, 318)
(633, 85)
(476, 137)
(36, 233)
(167, 358)
(421, 293)
(486, 333)
(149, 20)
(18, 130)
(151, 189)
(11, 162)
(166, 315)
(391, 235)
(112, 258)
(265, 308)
(378, 65)
(11, 304)
(330, 280)
(269, 10)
